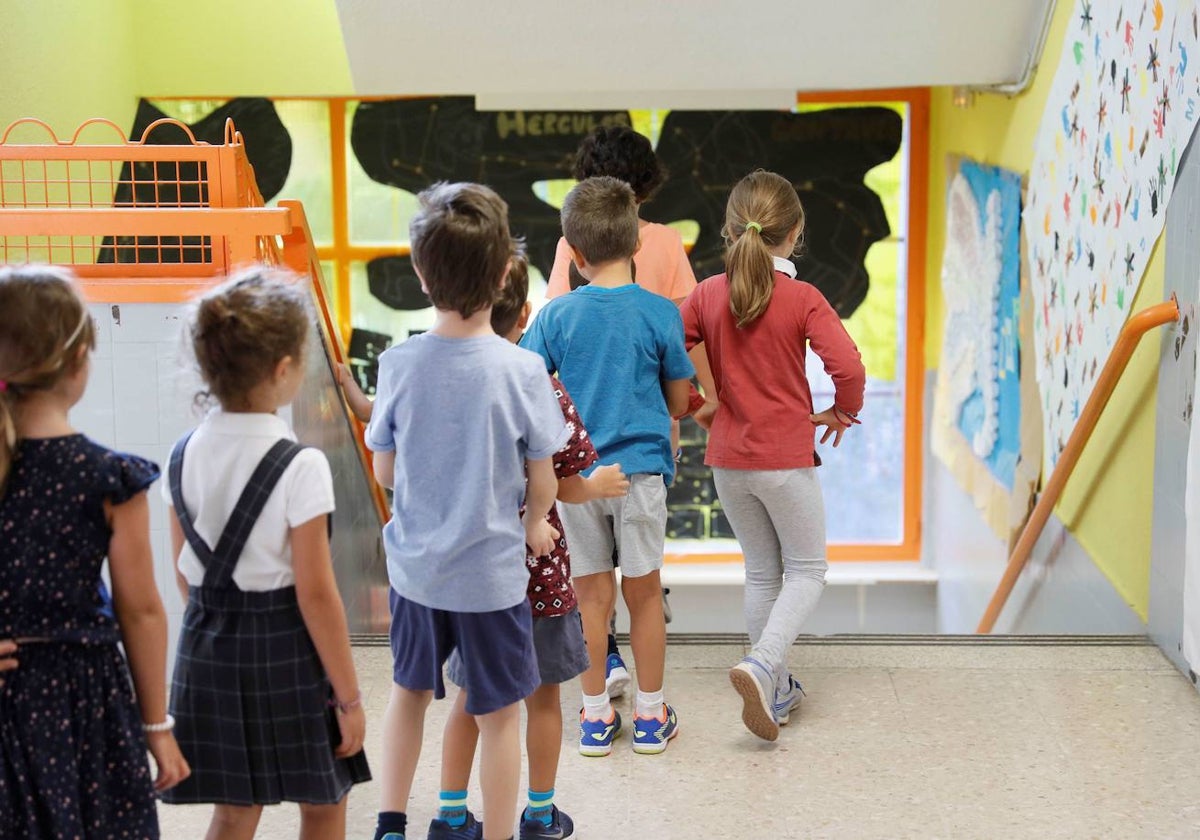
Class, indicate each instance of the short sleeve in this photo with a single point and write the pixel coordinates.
(309, 487)
(559, 282)
(124, 476)
(537, 339)
(578, 453)
(381, 430)
(545, 430)
(675, 361)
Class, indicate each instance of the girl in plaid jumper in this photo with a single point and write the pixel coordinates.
(264, 691)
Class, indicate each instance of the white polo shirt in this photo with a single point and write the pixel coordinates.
(218, 462)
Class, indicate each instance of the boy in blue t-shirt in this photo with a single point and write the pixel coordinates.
(619, 351)
(458, 414)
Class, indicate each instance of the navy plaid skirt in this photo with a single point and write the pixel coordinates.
(250, 699)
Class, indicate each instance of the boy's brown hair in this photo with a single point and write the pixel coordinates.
(599, 217)
(244, 328)
(506, 311)
(461, 245)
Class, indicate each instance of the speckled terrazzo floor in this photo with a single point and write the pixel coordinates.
(894, 741)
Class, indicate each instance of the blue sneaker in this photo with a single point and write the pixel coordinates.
(596, 736)
(651, 734)
(561, 827)
(756, 684)
(788, 700)
(616, 676)
(472, 829)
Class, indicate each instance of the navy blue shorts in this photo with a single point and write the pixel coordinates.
(496, 648)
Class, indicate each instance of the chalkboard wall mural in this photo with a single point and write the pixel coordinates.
(396, 148)
(412, 143)
(184, 184)
(825, 154)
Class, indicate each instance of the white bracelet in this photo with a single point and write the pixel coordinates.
(166, 726)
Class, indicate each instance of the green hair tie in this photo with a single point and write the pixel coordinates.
(754, 225)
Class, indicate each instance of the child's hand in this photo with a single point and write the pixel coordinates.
(704, 414)
(608, 482)
(540, 536)
(833, 423)
(172, 766)
(353, 726)
(355, 398)
(8, 649)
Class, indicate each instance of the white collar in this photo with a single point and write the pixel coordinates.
(249, 424)
(786, 266)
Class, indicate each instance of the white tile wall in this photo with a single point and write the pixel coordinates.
(139, 400)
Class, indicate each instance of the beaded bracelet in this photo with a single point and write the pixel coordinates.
(348, 706)
(166, 726)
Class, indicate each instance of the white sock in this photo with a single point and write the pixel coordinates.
(649, 703)
(597, 707)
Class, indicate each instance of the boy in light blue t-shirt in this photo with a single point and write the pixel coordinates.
(619, 351)
(459, 412)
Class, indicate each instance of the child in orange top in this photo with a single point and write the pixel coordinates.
(661, 264)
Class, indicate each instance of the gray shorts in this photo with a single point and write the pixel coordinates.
(636, 524)
(558, 642)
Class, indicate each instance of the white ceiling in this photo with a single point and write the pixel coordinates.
(685, 53)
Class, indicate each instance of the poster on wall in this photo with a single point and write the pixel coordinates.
(977, 404)
(1123, 104)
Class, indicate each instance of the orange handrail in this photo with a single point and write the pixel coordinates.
(1131, 334)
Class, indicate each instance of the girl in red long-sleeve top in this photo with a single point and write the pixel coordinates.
(755, 322)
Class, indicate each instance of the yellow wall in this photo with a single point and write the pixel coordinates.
(1108, 503)
(65, 61)
(236, 48)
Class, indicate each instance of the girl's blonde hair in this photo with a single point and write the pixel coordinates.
(244, 328)
(761, 214)
(44, 337)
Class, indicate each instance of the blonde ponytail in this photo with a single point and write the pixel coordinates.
(762, 212)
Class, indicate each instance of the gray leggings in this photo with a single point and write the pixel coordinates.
(778, 517)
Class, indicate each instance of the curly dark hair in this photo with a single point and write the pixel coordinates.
(620, 152)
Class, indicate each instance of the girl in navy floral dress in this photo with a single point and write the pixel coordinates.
(73, 738)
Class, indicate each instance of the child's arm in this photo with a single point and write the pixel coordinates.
(539, 496)
(837, 350)
(829, 340)
(359, 404)
(605, 482)
(384, 466)
(677, 392)
(143, 625)
(325, 619)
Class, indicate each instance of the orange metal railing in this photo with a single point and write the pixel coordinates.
(1131, 334)
(142, 222)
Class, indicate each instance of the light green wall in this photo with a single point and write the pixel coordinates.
(64, 61)
(219, 48)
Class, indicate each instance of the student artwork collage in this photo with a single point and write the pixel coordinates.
(527, 462)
